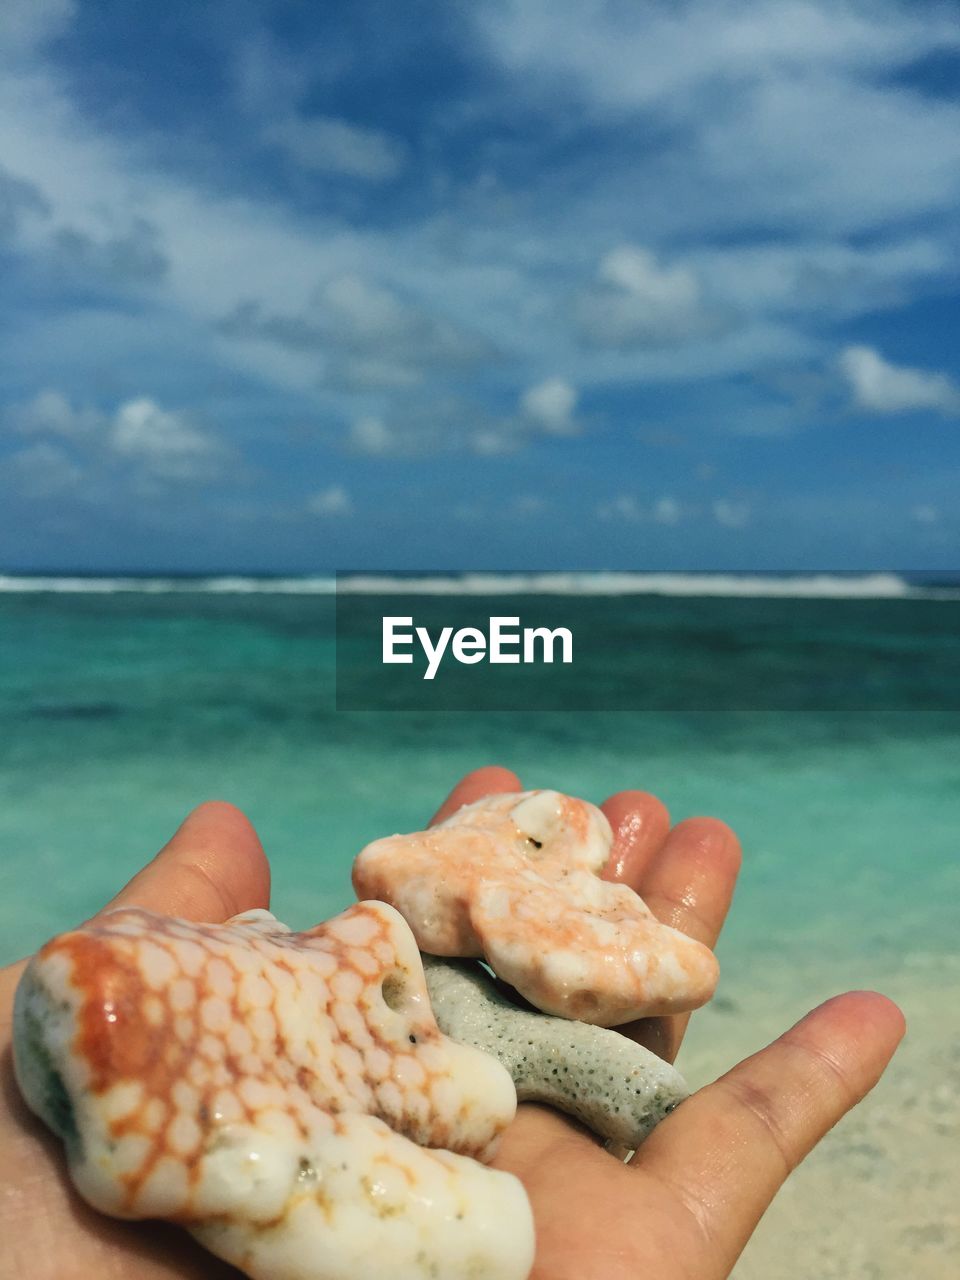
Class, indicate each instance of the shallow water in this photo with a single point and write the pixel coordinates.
(122, 711)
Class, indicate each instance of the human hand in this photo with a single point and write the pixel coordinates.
(688, 1201)
(213, 868)
(684, 1207)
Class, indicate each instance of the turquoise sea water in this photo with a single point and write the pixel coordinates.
(122, 710)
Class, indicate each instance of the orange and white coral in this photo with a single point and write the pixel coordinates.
(515, 879)
(287, 1097)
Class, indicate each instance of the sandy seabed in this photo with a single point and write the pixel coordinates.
(878, 1199)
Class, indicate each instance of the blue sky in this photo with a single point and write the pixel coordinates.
(505, 284)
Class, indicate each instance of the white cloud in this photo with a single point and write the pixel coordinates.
(550, 406)
(637, 301)
(408, 312)
(133, 255)
(26, 23)
(631, 56)
(925, 514)
(636, 271)
(19, 201)
(881, 387)
(519, 506)
(44, 470)
(526, 505)
(416, 426)
(163, 444)
(332, 501)
(51, 413)
(326, 145)
(220, 249)
(817, 277)
(443, 297)
(788, 111)
(834, 152)
(546, 408)
(370, 434)
(623, 507)
(368, 336)
(627, 509)
(666, 511)
(731, 514)
(167, 441)
(368, 312)
(362, 373)
(491, 442)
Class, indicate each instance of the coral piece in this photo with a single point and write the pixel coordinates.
(268, 1090)
(611, 1084)
(515, 879)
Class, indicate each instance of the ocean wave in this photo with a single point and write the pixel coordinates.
(852, 586)
(868, 586)
(227, 584)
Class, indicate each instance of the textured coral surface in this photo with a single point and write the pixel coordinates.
(267, 1089)
(515, 879)
(607, 1081)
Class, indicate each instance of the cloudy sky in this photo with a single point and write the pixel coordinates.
(509, 283)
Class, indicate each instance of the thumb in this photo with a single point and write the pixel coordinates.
(727, 1150)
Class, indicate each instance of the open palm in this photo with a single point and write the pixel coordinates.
(681, 1209)
(689, 1199)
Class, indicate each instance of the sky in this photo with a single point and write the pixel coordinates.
(502, 284)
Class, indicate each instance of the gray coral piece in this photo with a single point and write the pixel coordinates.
(615, 1087)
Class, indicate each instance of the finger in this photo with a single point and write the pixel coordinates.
(688, 885)
(213, 867)
(726, 1151)
(640, 825)
(488, 781)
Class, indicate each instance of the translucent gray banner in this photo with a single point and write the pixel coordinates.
(446, 649)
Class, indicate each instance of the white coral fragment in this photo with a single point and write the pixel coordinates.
(515, 879)
(287, 1097)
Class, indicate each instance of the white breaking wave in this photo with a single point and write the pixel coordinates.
(233, 584)
(866, 586)
(821, 585)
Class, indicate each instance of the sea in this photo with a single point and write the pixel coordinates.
(125, 701)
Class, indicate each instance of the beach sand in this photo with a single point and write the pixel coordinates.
(878, 1198)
